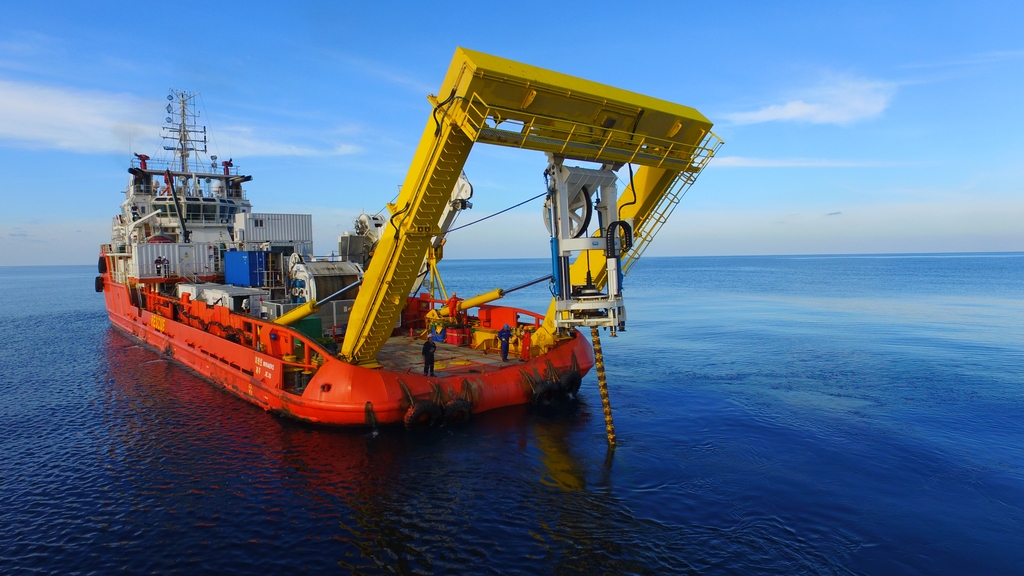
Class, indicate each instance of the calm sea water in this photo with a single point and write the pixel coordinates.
(776, 415)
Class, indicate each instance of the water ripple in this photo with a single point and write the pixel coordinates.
(771, 420)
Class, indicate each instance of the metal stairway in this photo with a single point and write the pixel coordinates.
(402, 248)
(647, 227)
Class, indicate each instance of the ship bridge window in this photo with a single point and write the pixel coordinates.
(210, 212)
(166, 208)
(227, 212)
(193, 210)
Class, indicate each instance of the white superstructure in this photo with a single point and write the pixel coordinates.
(181, 214)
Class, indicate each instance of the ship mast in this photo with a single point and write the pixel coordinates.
(184, 134)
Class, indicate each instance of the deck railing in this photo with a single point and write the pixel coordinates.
(511, 127)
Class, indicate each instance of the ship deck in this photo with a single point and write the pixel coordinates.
(405, 354)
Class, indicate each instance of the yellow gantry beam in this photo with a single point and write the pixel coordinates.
(493, 100)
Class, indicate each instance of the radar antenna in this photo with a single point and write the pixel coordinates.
(183, 135)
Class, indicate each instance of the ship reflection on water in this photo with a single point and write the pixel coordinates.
(203, 471)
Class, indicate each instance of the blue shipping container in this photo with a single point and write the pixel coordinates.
(245, 268)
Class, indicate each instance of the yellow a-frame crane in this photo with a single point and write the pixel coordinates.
(492, 100)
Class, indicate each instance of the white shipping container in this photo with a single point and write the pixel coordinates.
(190, 289)
(282, 228)
(233, 297)
(298, 247)
(197, 259)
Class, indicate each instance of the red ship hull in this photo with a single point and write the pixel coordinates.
(250, 363)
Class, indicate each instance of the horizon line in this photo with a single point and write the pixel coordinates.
(1015, 253)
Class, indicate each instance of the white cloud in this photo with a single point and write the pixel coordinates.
(745, 162)
(94, 122)
(837, 100)
(245, 142)
(37, 116)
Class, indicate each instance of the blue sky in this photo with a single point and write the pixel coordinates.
(854, 128)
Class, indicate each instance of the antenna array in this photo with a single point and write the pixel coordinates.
(183, 135)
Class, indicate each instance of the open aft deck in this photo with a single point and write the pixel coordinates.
(405, 354)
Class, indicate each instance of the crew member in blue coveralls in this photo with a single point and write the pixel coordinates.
(504, 335)
(428, 357)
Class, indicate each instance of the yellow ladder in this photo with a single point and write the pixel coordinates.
(404, 243)
(647, 226)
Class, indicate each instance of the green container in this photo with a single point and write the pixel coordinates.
(311, 326)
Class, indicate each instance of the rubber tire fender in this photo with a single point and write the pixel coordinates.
(457, 411)
(546, 393)
(423, 414)
(101, 265)
(570, 382)
(99, 283)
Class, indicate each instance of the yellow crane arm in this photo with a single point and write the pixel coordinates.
(395, 266)
(473, 302)
(298, 313)
(493, 100)
(312, 307)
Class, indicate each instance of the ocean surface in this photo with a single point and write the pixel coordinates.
(775, 415)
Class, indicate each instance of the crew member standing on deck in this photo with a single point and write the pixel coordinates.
(428, 357)
(159, 263)
(524, 344)
(504, 335)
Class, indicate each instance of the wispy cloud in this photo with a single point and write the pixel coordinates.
(89, 122)
(244, 141)
(20, 49)
(745, 162)
(836, 100)
(382, 72)
(973, 59)
(37, 116)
